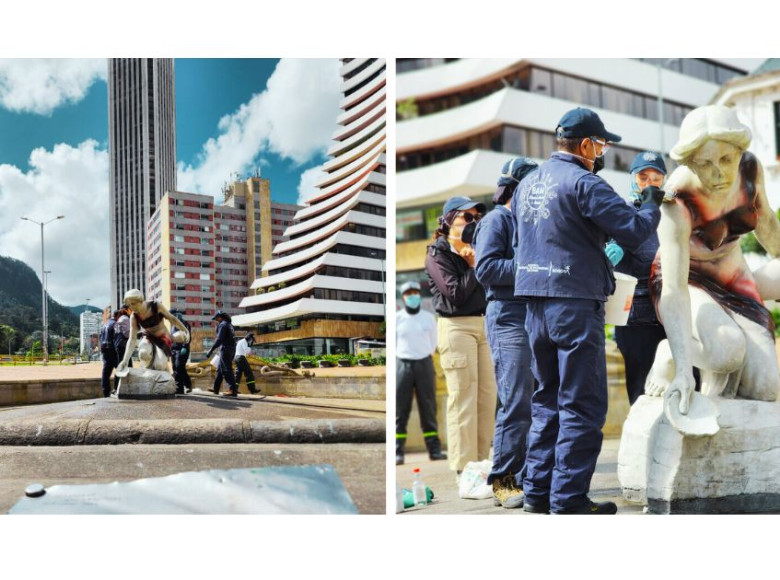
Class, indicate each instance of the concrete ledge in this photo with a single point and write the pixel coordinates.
(13, 393)
(191, 431)
(20, 392)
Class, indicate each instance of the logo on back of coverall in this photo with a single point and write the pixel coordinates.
(537, 192)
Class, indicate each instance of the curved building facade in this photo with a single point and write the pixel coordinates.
(459, 120)
(324, 286)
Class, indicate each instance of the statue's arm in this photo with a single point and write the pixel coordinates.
(768, 225)
(173, 320)
(674, 235)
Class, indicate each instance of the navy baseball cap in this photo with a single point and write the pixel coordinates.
(411, 285)
(648, 160)
(462, 204)
(515, 169)
(581, 122)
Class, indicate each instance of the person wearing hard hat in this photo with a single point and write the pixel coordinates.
(565, 214)
(415, 343)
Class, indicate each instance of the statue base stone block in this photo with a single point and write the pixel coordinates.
(736, 470)
(146, 384)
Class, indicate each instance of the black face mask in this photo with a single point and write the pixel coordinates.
(598, 164)
(467, 234)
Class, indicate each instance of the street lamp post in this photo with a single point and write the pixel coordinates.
(660, 66)
(46, 305)
(43, 290)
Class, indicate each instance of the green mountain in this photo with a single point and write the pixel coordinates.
(20, 306)
(77, 310)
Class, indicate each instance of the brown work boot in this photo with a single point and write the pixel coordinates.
(506, 493)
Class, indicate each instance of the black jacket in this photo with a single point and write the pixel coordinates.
(226, 339)
(454, 286)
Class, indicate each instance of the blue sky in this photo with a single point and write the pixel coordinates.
(232, 115)
(206, 90)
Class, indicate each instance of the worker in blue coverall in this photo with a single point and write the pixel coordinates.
(505, 326)
(226, 343)
(565, 213)
(639, 338)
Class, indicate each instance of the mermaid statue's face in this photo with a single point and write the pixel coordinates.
(716, 164)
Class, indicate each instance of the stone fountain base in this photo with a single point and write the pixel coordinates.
(736, 470)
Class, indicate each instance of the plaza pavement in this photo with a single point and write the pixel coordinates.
(437, 476)
(107, 439)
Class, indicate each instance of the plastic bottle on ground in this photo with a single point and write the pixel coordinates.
(418, 489)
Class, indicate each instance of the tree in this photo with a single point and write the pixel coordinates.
(7, 333)
(407, 110)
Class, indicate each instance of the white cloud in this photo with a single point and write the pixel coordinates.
(293, 117)
(69, 181)
(41, 85)
(307, 186)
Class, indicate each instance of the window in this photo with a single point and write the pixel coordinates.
(178, 275)
(205, 277)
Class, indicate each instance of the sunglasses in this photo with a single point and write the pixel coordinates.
(469, 217)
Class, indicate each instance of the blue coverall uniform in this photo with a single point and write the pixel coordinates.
(564, 216)
(505, 326)
(226, 342)
(639, 339)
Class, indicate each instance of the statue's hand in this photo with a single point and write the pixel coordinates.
(122, 370)
(186, 337)
(682, 387)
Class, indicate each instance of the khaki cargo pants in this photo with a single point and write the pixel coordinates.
(471, 389)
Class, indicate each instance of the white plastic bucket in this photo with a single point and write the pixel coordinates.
(619, 304)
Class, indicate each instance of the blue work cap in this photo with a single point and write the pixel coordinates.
(462, 204)
(648, 160)
(515, 169)
(581, 122)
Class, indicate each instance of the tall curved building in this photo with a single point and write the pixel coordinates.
(324, 286)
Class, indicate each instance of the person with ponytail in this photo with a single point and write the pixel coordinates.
(505, 326)
(460, 302)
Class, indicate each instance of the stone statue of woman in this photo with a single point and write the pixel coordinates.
(148, 318)
(709, 301)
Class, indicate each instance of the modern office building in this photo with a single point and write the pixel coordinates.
(757, 100)
(142, 165)
(89, 328)
(459, 120)
(324, 287)
(203, 256)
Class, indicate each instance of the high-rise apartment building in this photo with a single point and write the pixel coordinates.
(325, 285)
(203, 256)
(142, 166)
(89, 327)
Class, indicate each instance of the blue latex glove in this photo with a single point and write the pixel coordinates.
(614, 253)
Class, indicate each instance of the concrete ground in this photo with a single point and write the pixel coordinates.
(437, 476)
(361, 467)
(208, 431)
(199, 404)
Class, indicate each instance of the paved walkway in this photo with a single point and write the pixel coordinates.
(437, 476)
